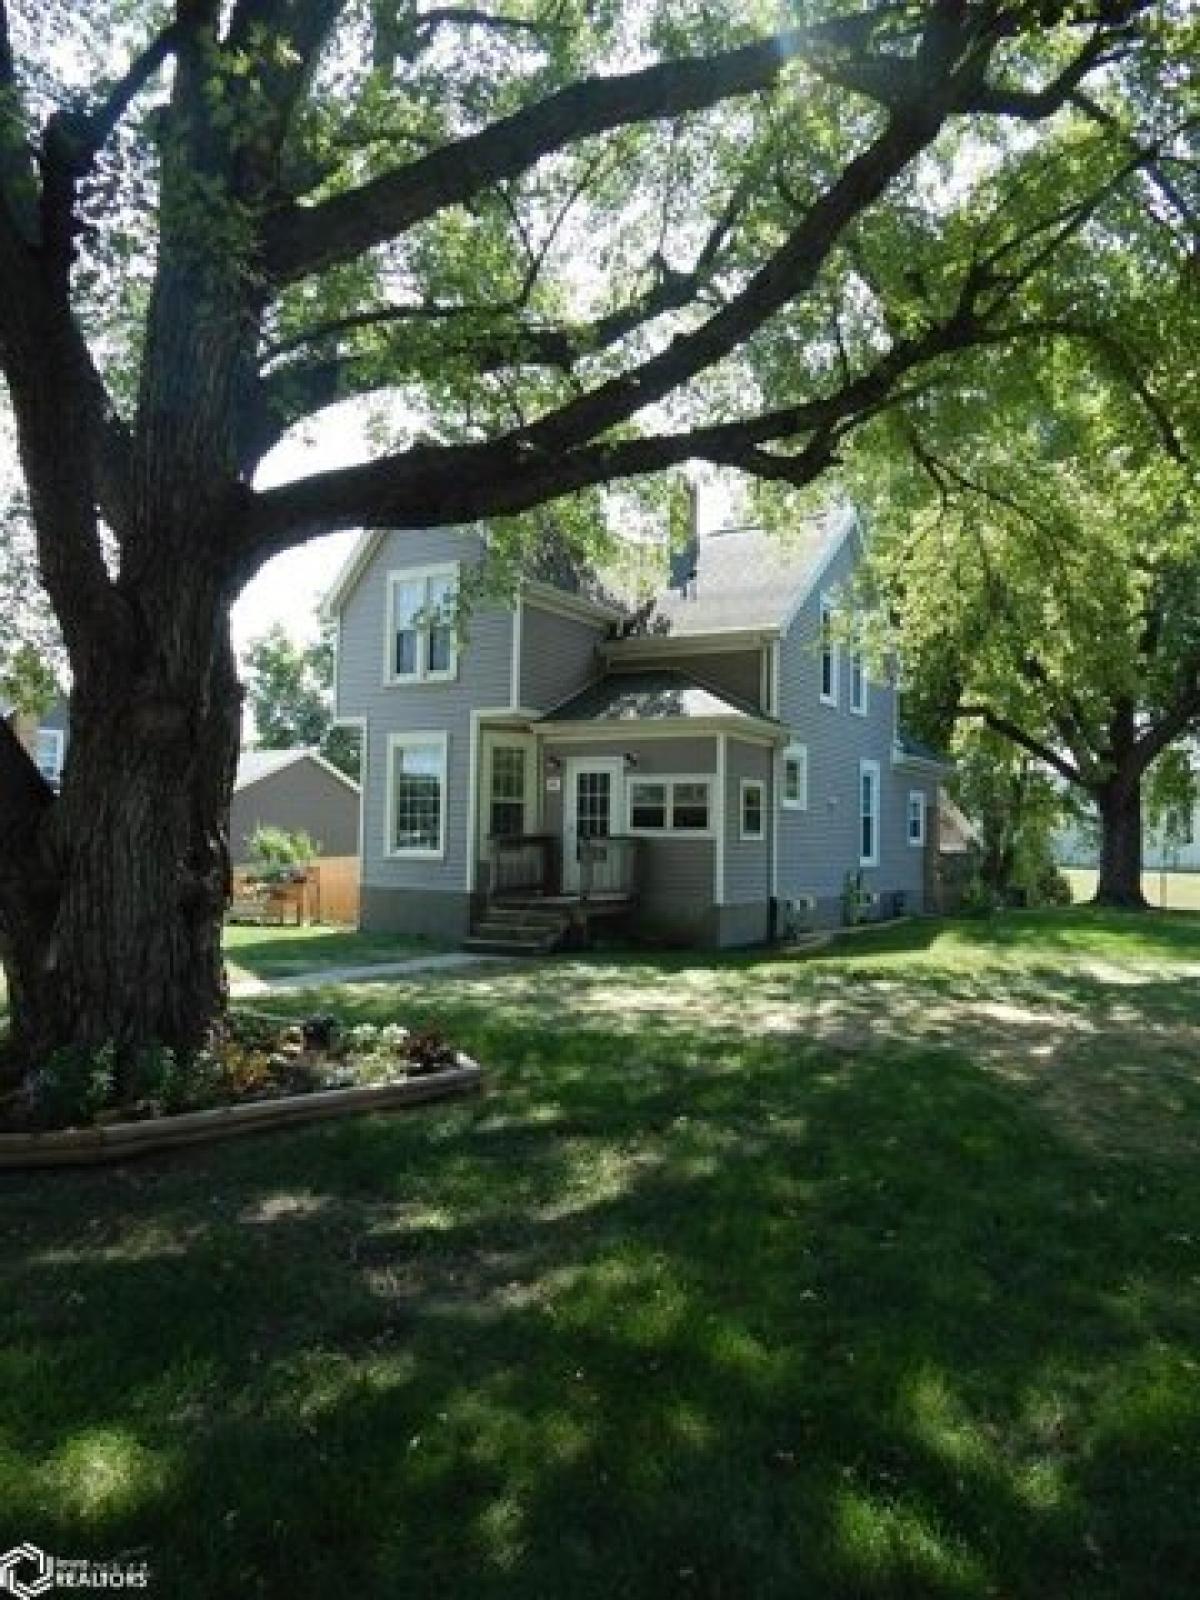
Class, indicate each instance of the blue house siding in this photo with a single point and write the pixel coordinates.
(737, 672)
(558, 655)
(820, 846)
(675, 902)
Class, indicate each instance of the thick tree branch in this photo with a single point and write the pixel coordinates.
(1017, 735)
(1034, 106)
(299, 241)
(432, 485)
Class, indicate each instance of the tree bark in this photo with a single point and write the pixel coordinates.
(135, 879)
(1120, 807)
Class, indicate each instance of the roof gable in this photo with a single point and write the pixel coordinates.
(256, 765)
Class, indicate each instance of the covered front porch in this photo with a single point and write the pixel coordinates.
(529, 907)
(618, 804)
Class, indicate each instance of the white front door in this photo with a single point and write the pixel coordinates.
(592, 803)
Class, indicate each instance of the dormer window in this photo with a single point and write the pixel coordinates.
(422, 626)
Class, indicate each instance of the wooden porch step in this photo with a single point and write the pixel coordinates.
(523, 917)
(511, 944)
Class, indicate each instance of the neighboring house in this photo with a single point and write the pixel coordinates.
(728, 771)
(52, 739)
(292, 789)
(957, 834)
(1078, 845)
(45, 737)
(297, 790)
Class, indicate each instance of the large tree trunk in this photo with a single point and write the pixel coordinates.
(1120, 808)
(136, 849)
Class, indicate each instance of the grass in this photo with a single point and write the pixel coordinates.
(872, 1274)
(277, 952)
(1173, 891)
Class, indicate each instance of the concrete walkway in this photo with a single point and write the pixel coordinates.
(379, 972)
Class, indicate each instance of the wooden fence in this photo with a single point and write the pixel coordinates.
(336, 890)
(328, 893)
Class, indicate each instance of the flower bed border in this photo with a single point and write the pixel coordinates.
(121, 1141)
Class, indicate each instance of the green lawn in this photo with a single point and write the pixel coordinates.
(871, 1274)
(276, 952)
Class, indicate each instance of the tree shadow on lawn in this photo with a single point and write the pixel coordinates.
(767, 1321)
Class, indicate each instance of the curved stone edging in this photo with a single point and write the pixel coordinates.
(121, 1141)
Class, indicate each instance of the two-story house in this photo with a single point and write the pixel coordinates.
(722, 774)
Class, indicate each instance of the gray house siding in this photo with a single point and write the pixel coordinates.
(747, 861)
(558, 655)
(819, 846)
(738, 672)
(418, 895)
(301, 796)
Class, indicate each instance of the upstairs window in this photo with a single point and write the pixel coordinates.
(829, 654)
(916, 817)
(793, 791)
(868, 813)
(858, 682)
(422, 625)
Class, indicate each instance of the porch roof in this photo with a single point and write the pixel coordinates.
(659, 694)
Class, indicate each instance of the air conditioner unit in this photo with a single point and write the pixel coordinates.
(795, 916)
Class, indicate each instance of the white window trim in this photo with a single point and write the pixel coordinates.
(826, 608)
(502, 738)
(919, 796)
(59, 738)
(859, 707)
(668, 780)
(744, 788)
(435, 736)
(871, 767)
(399, 680)
(793, 752)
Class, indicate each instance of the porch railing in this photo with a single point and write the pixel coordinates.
(609, 866)
(522, 863)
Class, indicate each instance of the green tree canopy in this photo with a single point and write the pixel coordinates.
(290, 692)
(559, 243)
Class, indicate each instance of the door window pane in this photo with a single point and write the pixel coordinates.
(593, 797)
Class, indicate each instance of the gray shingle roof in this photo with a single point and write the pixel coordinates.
(909, 745)
(660, 694)
(746, 578)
